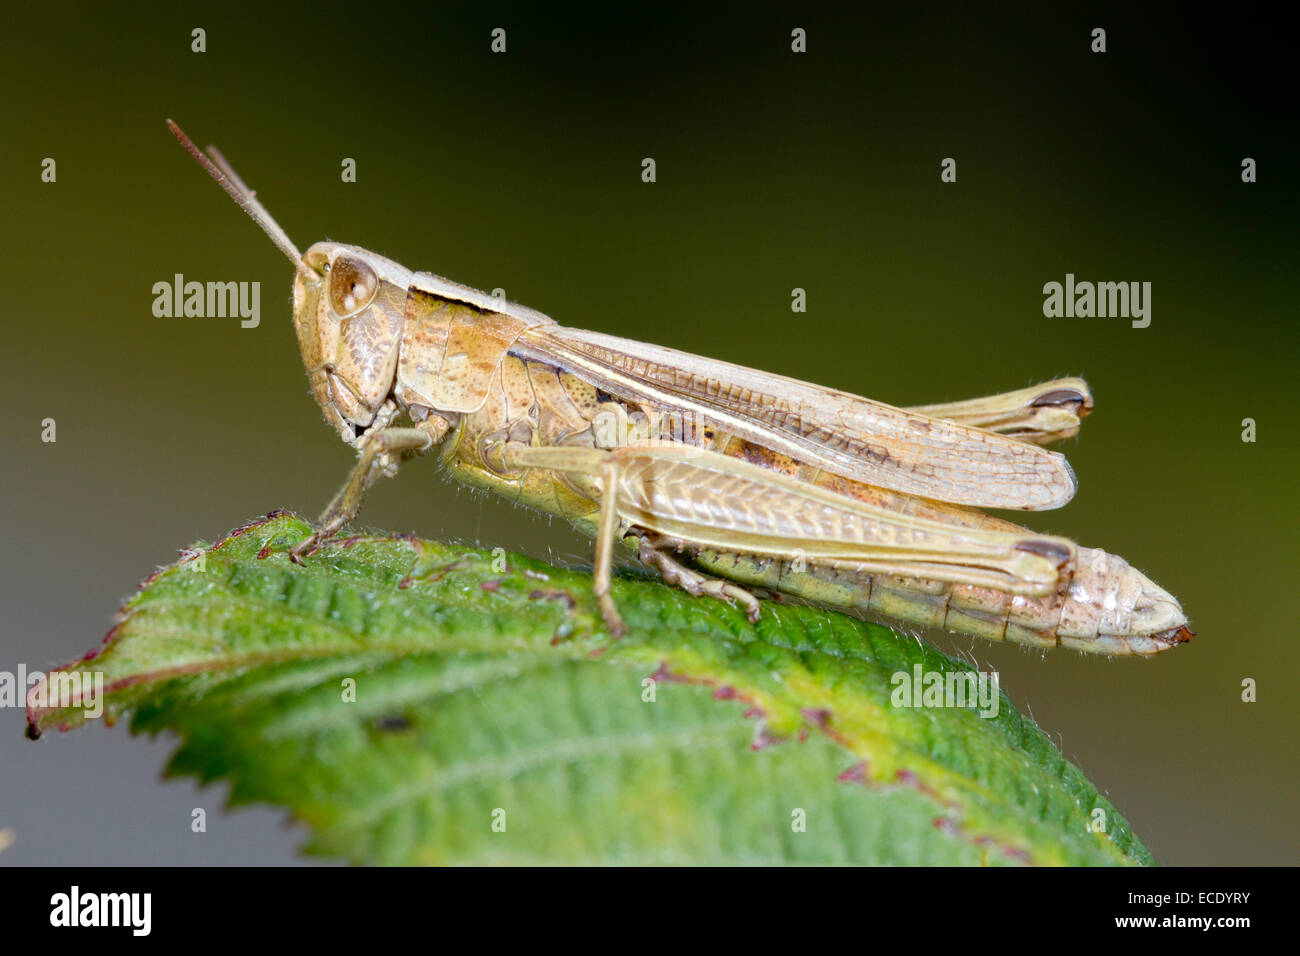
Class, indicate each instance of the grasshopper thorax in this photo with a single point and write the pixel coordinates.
(347, 313)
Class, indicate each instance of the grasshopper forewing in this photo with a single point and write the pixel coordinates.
(722, 478)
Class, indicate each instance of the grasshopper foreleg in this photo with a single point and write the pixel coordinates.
(382, 450)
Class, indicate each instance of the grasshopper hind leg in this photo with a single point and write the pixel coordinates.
(653, 555)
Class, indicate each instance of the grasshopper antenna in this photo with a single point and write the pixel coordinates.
(229, 180)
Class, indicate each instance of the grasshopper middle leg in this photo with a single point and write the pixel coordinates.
(607, 466)
(594, 463)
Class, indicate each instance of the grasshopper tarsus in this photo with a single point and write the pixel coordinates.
(676, 574)
(309, 546)
(613, 620)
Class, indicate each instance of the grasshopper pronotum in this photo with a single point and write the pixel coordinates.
(717, 476)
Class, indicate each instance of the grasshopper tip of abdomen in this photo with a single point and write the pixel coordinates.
(1173, 637)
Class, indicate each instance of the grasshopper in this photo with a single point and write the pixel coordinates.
(723, 479)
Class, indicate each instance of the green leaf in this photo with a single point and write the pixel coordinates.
(486, 690)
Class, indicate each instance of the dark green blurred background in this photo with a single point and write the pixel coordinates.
(775, 170)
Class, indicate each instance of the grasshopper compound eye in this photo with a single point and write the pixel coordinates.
(352, 285)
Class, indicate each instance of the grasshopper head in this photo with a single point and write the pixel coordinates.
(347, 311)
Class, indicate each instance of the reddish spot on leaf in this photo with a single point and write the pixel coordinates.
(908, 779)
(819, 716)
(243, 529)
(432, 578)
(946, 826)
(553, 594)
(152, 577)
(855, 774)
(664, 674)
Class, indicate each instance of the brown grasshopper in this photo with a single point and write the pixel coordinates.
(721, 478)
